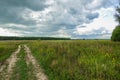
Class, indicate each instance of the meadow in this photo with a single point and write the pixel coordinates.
(69, 59)
(79, 60)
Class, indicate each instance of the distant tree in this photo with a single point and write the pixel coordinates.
(116, 32)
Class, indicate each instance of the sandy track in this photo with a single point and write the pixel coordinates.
(37, 70)
(10, 63)
(6, 70)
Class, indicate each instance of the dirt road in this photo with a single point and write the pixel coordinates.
(7, 69)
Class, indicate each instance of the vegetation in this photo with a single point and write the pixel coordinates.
(117, 15)
(67, 59)
(116, 31)
(31, 38)
(116, 34)
(21, 68)
(6, 49)
(78, 60)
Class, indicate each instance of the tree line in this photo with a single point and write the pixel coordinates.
(31, 38)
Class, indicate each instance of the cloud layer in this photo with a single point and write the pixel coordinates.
(61, 18)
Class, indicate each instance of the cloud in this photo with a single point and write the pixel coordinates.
(50, 17)
(100, 33)
(12, 11)
(96, 4)
(34, 5)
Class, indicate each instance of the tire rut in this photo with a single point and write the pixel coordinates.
(9, 65)
(37, 70)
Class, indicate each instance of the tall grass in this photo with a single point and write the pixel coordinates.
(78, 59)
(6, 49)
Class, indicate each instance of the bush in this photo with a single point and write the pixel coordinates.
(116, 34)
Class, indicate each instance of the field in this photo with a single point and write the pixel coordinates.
(6, 49)
(60, 60)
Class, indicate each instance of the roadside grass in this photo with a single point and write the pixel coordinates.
(78, 59)
(6, 49)
(31, 75)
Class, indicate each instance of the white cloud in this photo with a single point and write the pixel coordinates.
(106, 22)
(4, 32)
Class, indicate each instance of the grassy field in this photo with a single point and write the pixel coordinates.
(67, 59)
(78, 60)
(6, 49)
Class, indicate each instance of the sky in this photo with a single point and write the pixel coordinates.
(76, 19)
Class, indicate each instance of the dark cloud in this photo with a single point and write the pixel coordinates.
(92, 16)
(34, 5)
(12, 11)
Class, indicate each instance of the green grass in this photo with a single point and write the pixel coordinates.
(78, 59)
(6, 49)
